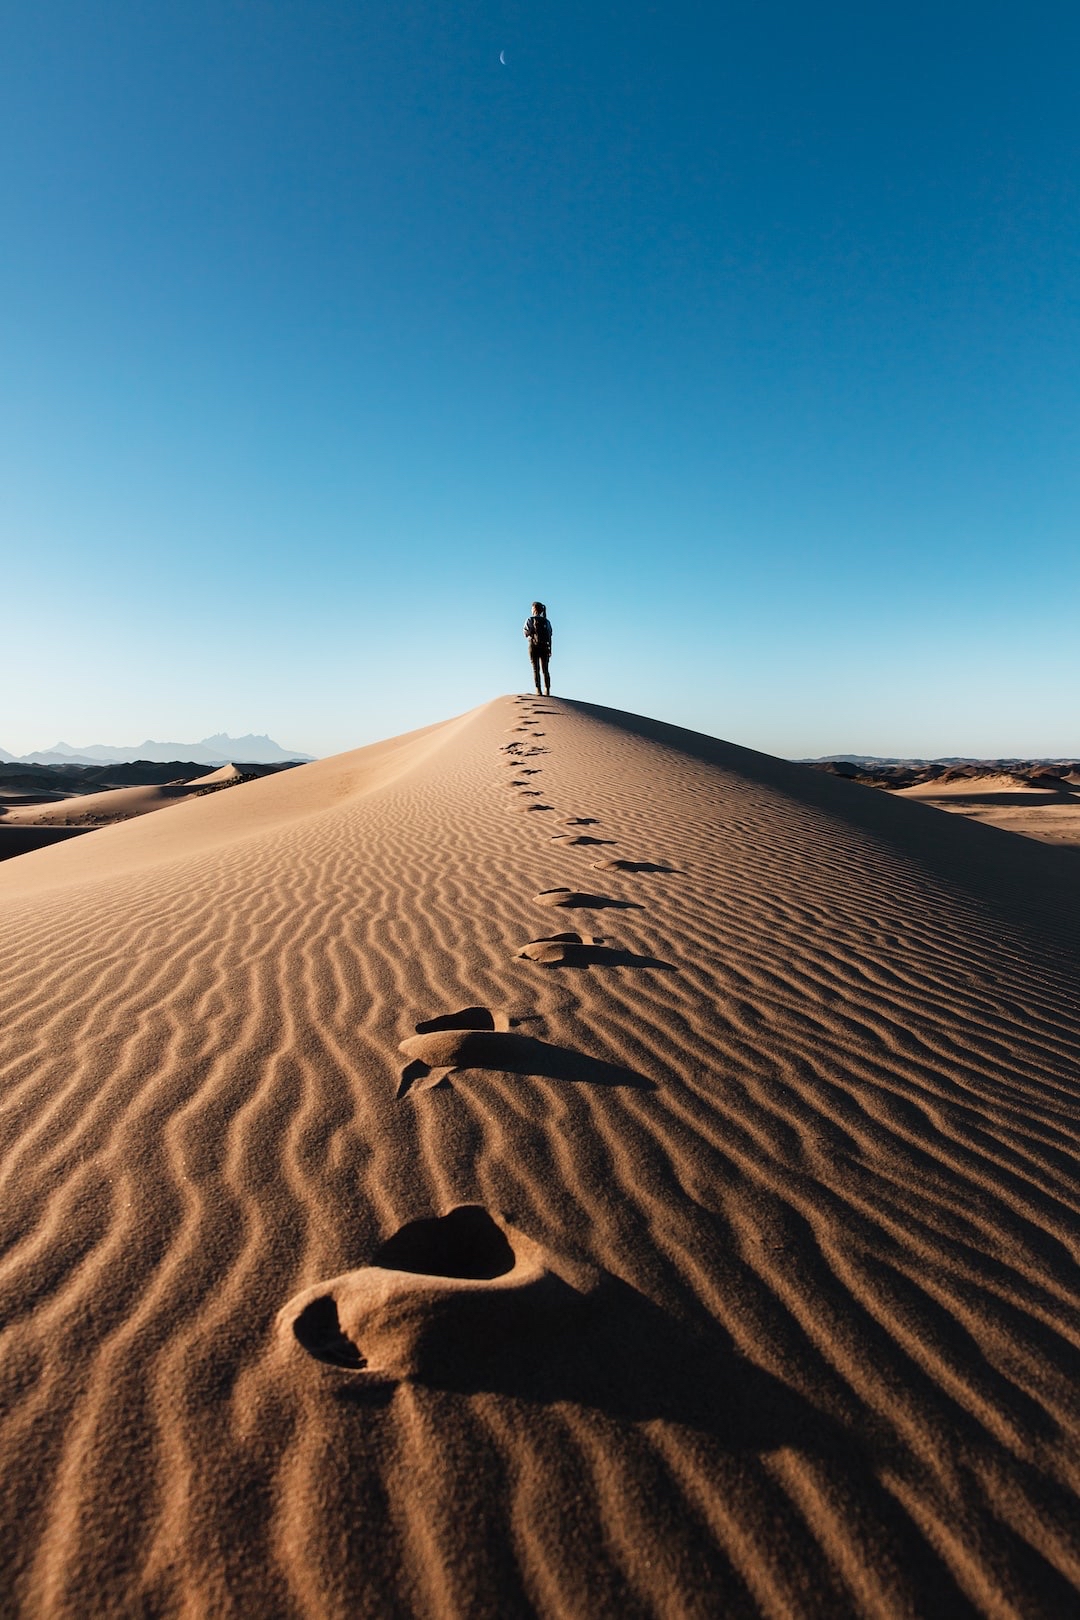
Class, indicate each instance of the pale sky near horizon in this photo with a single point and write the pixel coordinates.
(746, 336)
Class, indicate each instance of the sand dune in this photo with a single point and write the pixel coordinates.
(121, 804)
(97, 809)
(228, 773)
(966, 787)
(1010, 803)
(551, 1162)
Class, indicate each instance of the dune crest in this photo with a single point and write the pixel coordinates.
(369, 1246)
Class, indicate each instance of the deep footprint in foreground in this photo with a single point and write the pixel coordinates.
(440, 1049)
(438, 1298)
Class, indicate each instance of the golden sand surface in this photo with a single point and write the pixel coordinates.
(551, 1163)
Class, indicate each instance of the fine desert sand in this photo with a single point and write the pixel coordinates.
(549, 1163)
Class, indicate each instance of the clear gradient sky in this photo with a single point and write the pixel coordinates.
(745, 335)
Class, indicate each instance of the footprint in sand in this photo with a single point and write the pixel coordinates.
(585, 950)
(437, 1298)
(582, 821)
(475, 1019)
(613, 865)
(571, 898)
(467, 1018)
(584, 839)
(528, 807)
(479, 1038)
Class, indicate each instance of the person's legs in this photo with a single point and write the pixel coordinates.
(544, 656)
(535, 654)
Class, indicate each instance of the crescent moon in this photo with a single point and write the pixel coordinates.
(502, 58)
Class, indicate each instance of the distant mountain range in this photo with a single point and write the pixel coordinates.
(217, 750)
(1059, 776)
(949, 759)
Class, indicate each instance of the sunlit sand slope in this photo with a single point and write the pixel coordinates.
(552, 1163)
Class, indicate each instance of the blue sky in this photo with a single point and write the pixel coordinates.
(744, 335)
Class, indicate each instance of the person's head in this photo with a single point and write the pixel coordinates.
(538, 607)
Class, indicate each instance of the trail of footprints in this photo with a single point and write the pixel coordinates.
(437, 1287)
(574, 949)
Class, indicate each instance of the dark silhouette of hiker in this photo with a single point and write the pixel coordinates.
(538, 635)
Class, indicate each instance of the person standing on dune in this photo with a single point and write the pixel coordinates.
(538, 635)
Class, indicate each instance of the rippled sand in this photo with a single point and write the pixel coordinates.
(552, 1162)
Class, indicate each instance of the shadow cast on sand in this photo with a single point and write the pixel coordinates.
(616, 865)
(465, 1018)
(1023, 882)
(561, 952)
(436, 1056)
(575, 899)
(616, 1352)
(467, 1304)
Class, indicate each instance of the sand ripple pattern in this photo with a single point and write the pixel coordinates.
(838, 1225)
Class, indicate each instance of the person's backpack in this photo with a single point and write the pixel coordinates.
(541, 630)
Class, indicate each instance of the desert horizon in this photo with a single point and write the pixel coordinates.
(46, 796)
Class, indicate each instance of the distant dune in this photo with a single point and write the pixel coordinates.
(27, 804)
(95, 809)
(1036, 798)
(552, 1162)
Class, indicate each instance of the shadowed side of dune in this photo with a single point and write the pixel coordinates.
(1032, 886)
(22, 840)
